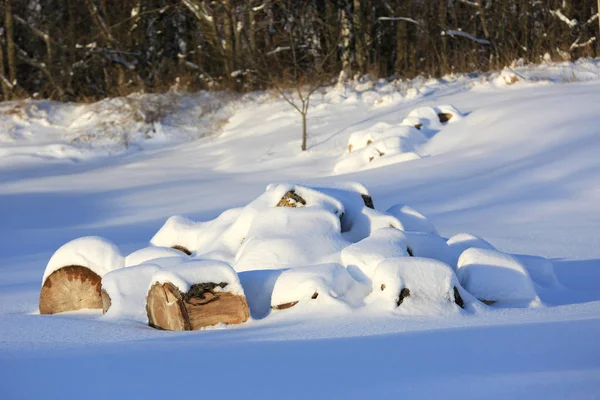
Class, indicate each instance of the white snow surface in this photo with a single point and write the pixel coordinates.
(519, 170)
(494, 276)
(368, 253)
(411, 220)
(463, 241)
(96, 253)
(152, 253)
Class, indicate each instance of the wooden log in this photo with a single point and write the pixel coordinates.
(70, 288)
(291, 199)
(170, 309)
(182, 249)
(368, 200)
(291, 304)
(445, 117)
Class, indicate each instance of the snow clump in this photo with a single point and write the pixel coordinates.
(495, 277)
(98, 254)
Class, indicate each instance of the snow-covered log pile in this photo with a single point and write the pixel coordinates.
(385, 144)
(325, 246)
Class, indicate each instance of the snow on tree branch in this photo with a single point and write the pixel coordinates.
(199, 12)
(558, 14)
(279, 49)
(577, 45)
(412, 21)
(471, 3)
(454, 33)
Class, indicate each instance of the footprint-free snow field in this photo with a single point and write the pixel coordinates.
(480, 197)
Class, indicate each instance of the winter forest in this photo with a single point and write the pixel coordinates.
(85, 50)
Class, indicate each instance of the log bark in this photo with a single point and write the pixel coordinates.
(106, 301)
(182, 249)
(170, 309)
(70, 288)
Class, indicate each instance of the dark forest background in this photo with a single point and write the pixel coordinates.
(85, 50)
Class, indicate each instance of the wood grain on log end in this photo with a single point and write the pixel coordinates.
(201, 306)
(70, 288)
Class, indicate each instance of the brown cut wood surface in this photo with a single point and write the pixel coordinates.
(164, 306)
(224, 307)
(202, 306)
(70, 288)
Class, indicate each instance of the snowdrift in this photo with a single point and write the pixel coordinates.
(327, 247)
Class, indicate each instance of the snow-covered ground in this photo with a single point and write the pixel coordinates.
(520, 170)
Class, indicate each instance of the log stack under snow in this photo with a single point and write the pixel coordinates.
(326, 246)
(384, 144)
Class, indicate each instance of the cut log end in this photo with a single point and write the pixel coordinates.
(445, 117)
(182, 249)
(168, 308)
(368, 200)
(404, 293)
(70, 288)
(291, 199)
(458, 298)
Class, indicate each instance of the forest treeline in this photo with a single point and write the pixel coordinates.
(90, 49)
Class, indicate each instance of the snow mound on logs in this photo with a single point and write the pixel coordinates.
(384, 144)
(416, 286)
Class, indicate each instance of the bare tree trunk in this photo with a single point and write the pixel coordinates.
(359, 37)
(10, 42)
(304, 134)
(5, 84)
(345, 35)
(229, 37)
(599, 17)
(443, 18)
